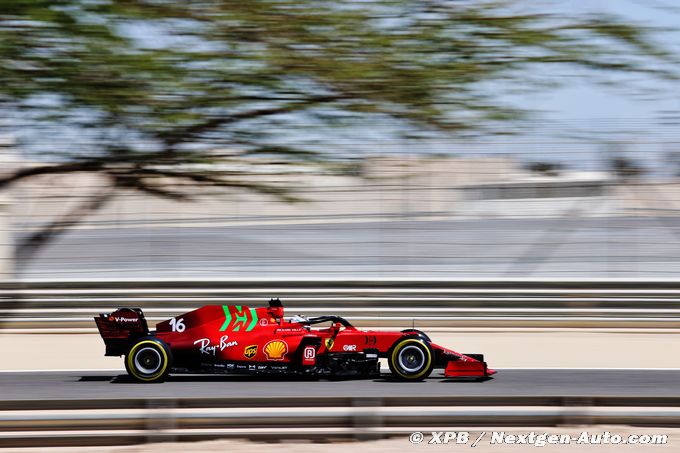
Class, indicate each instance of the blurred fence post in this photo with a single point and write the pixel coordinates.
(8, 162)
(6, 246)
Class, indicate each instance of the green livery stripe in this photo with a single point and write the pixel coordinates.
(241, 319)
(227, 317)
(253, 320)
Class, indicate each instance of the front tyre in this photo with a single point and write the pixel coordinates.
(148, 360)
(411, 359)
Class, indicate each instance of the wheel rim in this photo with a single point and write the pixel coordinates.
(411, 359)
(148, 360)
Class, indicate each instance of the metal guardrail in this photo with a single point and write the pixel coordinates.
(123, 421)
(387, 302)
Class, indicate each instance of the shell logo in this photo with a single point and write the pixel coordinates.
(276, 350)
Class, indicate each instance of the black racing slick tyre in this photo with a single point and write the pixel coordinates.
(411, 359)
(148, 360)
(418, 333)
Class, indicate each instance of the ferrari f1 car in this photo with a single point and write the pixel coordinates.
(238, 339)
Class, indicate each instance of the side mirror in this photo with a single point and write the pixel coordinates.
(275, 312)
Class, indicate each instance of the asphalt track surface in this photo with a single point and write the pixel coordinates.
(507, 383)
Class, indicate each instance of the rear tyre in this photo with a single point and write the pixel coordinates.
(411, 359)
(148, 360)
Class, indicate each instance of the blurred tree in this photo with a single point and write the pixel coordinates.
(545, 168)
(620, 164)
(673, 160)
(625, 168)
(142, 90)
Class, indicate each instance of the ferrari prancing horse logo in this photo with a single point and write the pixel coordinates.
(329, 343)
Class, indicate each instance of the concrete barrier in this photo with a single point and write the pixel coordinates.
(124, 421)
(44, 304)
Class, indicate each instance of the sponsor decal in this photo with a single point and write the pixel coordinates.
(309, 355)
(370, 340)
(329, 343)
(251, 367)
(276, 349)
(119, 319)
(290, 329)
(209, 349)
(250, 351)
(264, 321)
(349, 347)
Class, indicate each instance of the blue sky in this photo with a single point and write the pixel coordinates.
(570, 124)
(576, 123)
(647, 126)
(587, 101)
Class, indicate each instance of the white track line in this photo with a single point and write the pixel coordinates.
(87, 370)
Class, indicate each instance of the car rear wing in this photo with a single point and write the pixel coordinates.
(118, 328)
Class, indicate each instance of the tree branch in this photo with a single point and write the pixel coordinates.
(49, 170)
(188, 133)
(27, 248)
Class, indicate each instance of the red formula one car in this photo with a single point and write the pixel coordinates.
(237, 339)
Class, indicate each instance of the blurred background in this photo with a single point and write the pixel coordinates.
(467, 139)
(547, 213)
(504, 174)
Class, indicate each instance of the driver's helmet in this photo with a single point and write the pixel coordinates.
(298, 318)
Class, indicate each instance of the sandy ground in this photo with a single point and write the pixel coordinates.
(569, 348)
(404, 445)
